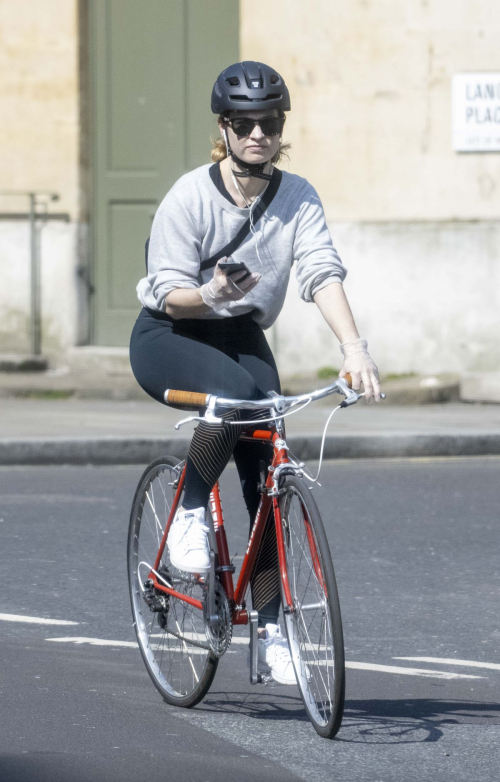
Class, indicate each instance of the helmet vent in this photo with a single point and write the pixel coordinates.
(274, 79)
(233, 81)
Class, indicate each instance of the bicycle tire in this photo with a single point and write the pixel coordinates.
(181, 670)
(314, 627)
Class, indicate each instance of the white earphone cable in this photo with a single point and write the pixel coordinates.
(249, 206)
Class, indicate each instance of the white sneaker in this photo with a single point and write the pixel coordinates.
(188, 541)
(274, 656)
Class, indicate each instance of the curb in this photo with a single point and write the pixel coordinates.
(127, 450)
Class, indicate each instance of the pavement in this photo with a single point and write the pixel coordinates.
(92, 372)
(100, 431)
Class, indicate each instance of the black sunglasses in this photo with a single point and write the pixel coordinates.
(243, 126)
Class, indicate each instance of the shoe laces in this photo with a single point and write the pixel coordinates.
(195, 529)
(280, 647)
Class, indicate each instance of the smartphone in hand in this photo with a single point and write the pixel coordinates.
(232, 267)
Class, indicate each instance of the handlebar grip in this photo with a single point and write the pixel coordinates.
(186, 398)
(348, 380)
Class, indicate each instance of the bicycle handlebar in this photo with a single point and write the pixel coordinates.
(343, 385)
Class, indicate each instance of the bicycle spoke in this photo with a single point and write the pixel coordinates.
(158, 525)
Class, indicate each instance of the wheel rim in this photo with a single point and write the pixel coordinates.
(173, 641)
(309, 626)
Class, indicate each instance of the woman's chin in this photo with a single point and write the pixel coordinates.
(255, 157)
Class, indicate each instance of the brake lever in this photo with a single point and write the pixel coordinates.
(209, 416)
(187, 421)
(351, 397)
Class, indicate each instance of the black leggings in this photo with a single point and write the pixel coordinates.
(229, 357)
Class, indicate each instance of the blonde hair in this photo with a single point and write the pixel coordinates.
(219, 149)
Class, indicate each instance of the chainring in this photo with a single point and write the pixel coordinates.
(219, 635)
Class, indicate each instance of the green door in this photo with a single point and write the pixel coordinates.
(153, 65)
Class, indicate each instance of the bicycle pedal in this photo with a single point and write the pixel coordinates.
(265, 678)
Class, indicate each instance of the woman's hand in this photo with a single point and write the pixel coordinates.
(359, 364)
(224, 288)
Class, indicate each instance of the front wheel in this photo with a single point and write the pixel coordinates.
(314, 625)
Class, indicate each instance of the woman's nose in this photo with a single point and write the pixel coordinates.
(257, 133)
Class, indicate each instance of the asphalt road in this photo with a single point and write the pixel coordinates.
(415, 546)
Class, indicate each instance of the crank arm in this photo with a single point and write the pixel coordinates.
(213, 616)
(255, 676)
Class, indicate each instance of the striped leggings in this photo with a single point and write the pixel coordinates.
(228, 357)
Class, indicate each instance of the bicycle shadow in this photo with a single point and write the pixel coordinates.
(258, 704)
(409, 720)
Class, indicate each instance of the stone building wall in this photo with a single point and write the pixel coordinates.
(370, 127)
(40, 151)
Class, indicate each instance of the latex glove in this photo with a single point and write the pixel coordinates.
(224, 288)
(361, 367)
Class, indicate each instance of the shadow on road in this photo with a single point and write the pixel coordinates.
(410, 720)
(154, 763)
(260, 705)
(51, 767)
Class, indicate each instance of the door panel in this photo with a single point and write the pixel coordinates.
(153, 65)
(128, 224)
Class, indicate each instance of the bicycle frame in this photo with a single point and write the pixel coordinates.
(268, 503)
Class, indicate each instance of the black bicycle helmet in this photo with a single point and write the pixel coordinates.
(249, 85)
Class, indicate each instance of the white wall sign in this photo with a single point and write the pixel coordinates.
(476, 112)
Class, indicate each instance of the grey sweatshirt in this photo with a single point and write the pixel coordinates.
(194, 221)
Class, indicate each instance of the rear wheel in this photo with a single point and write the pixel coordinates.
(314, 626)
(171, 633)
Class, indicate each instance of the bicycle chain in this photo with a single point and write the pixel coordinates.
(197, 643)
(188, 640)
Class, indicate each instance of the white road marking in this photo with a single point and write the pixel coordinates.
(451, 661)
(34, 620)
(23, 499)
(93, 641)
(106, 642)
(410, 671)
(239, 640)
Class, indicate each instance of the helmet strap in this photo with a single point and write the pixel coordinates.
(249, 169)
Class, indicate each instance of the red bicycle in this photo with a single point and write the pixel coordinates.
(184, 621)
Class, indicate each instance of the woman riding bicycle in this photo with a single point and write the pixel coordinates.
(202, 328)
